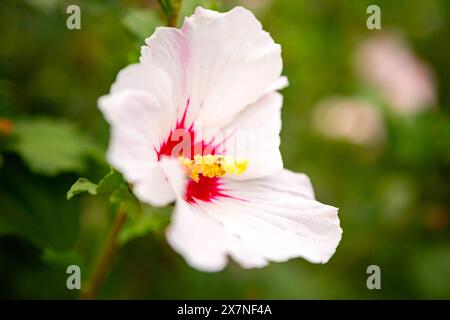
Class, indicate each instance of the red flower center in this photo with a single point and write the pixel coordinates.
(206, 189)
(181, 142)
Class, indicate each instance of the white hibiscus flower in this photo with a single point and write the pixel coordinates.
(218, 72)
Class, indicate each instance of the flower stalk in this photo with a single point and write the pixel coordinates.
(171, 9)
(105, 260)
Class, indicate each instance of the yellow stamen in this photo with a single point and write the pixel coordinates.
(213, 166)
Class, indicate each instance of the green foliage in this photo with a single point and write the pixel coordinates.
(80, 186)
(141, 22)
(413, 140)
(50, 146)
(188, 7)
(169, 6)
(35, 208)
(61, 259)
(142, 219)
(112, 182)
(148, 219)
(430, 270)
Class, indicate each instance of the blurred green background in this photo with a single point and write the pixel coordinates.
(393, 194)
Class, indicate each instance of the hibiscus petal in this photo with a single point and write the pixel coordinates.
(160, 183)
(221, 62)
(255, 135)
(268, 219)
(197, 238)
(152, 186)
(204, 243)
(138, 127)
(280, 83)
(154, 81)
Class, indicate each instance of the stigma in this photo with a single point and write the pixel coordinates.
(212, 166)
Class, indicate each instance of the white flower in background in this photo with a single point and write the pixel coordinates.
(350, 119)
(387, 63)
(218, 72)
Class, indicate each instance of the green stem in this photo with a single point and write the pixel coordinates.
(171, 9)
(106, 258)
(172, 19)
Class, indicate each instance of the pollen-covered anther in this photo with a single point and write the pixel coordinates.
(213, 166)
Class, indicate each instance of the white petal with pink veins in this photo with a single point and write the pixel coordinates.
(137, 129)
(204, 243)
(153, 81)
(222, 62)
(268, 219)
(153, 187)
(255, 135)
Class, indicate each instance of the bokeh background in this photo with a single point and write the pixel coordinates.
(366, 116)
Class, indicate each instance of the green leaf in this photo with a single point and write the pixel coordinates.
(129, 203)
(111, 182)
(80, 186)
(50, 146)
(150, 219)
(142, 219)
(121, 194)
